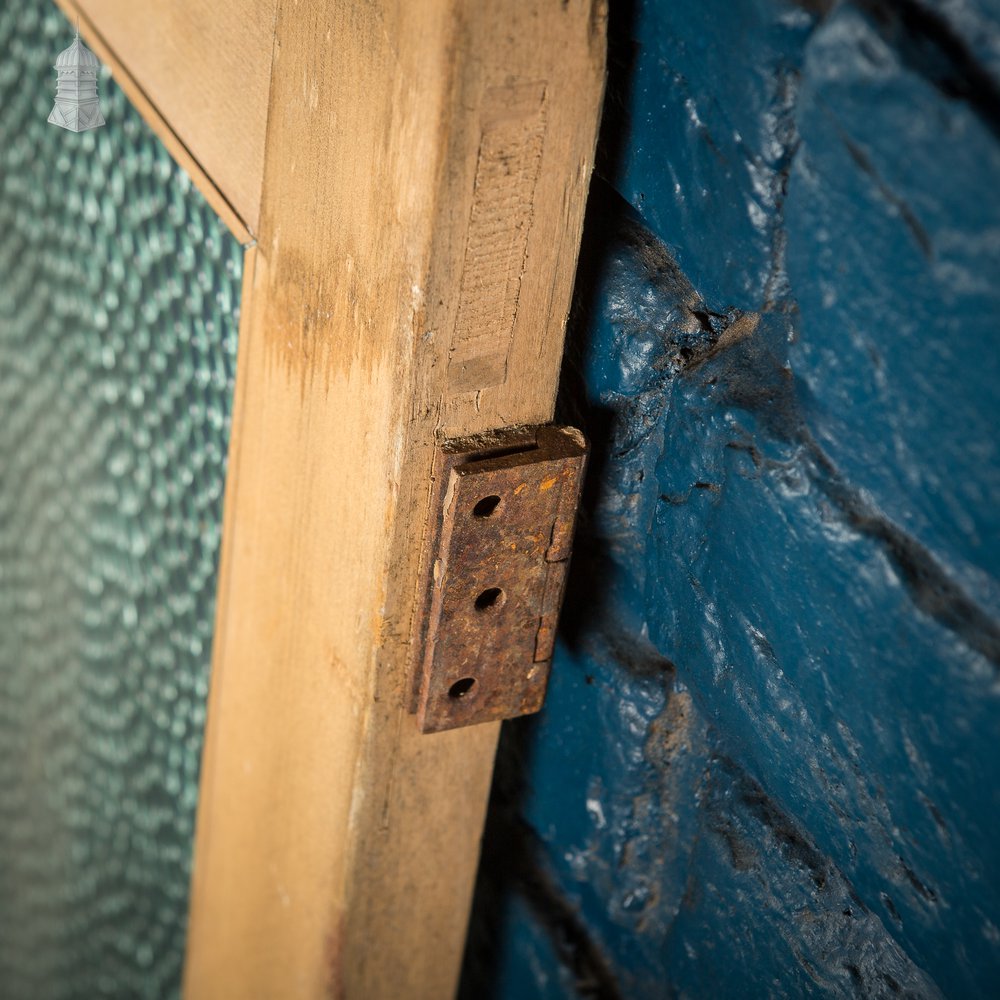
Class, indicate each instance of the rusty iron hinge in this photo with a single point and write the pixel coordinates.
(503, 514)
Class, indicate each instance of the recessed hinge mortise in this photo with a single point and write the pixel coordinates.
(503, 513)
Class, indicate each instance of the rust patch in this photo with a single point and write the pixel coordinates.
(495, 575)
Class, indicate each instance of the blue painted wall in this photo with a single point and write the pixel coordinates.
(769, 765)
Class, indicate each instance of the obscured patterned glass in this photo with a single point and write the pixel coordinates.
(119, 291)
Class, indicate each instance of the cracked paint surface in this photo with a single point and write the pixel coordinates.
(767, 765)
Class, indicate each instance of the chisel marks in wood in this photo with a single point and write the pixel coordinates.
(510, 155)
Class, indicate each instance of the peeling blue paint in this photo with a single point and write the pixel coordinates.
(768, 763)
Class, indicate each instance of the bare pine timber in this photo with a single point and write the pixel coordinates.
(199, 74)
(425, 170)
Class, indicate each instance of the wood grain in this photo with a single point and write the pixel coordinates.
(337, 846)
(199, 73)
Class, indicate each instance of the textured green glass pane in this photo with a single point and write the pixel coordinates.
(119, 291)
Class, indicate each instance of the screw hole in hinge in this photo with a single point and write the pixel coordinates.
(461, 688)
(486, 507)
(491, 599)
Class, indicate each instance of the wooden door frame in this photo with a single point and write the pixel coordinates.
(336, 846)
